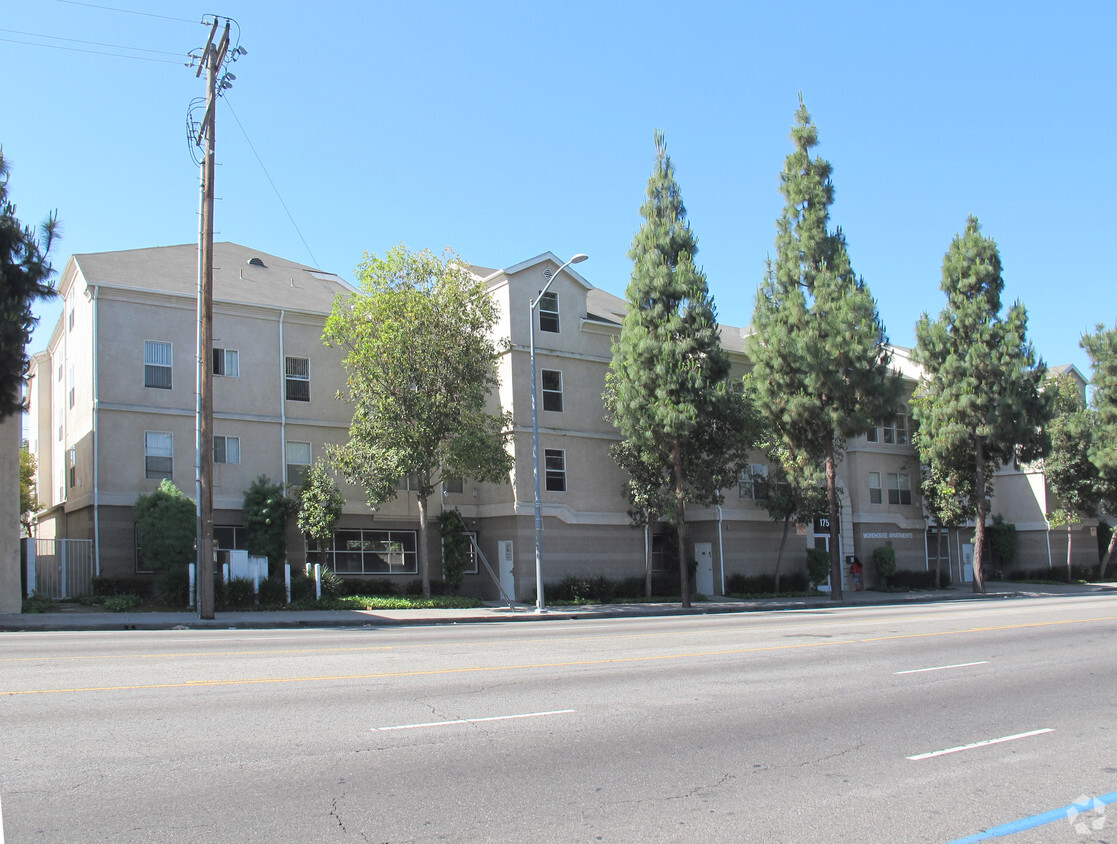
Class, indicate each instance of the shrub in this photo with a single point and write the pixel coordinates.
(455, 549)
(165, 530)
(37, 604)
(379, 586)
(332, 584)
(415, 587)
(1002, 542)
(273, 592)
(884, 558)
(240, 593)
(302, 586)
(818, 565)
(907, 579)
(121, 603)
(266, 510)
(761, 584)
(142, 586)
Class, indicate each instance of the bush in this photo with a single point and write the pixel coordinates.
(380, 586)
(302, 586)
(332, 584)
(415, 587)
(818, 565)
(37, 604)
(240, 593)
(166, 530)
(142, 586)
(906, 579)
(884, 558)
(761, 584)
(273, 592)
(1002, 542)
(121, 603)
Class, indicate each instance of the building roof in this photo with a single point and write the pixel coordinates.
(240, 275)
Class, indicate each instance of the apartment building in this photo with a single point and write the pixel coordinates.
(113, 400)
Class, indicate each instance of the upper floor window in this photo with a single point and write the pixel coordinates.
(555, 462)
(875, 495)
(298, 379)
(72, 462)
(552, 389)
(159, 450)
(157, 364)
(549, 312)
(895, 431)
(899, 488)
(453, 485)
(72, 387)
(226, 362)
(753, 482)
(298, 462)
(226, 449)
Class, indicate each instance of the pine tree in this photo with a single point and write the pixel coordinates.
(983, 404)
(819, 348)
(684, 430)
(1102, 348)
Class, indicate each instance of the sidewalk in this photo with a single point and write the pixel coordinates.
(492, 612)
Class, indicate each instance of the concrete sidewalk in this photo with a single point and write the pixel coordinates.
(494, 612)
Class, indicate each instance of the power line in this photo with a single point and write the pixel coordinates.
(272, 183)
(93, 52)
(126, 11)
(79, 41)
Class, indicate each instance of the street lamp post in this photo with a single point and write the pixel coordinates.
(539, 606)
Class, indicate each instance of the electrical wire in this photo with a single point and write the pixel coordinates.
(125, 11)
(93, 43)
(272, 183)
(94, 52)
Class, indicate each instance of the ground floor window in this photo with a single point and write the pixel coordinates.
(934, 548)
(368, 552)
(230, 538)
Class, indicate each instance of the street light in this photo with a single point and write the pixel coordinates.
(539, 607)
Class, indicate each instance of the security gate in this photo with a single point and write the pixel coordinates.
(60, 568)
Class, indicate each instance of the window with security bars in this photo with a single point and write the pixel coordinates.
(298, 379)
(157, 364)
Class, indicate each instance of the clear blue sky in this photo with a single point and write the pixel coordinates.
(506, 129)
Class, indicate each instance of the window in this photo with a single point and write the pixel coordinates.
(230, 538)
(899, 488)
(226, 449)
(298, 462)
(934, 548)
(549, 312)
(555, 462)
(470, 537)
(453, 485)
(72, 462)
(895, 431)
(157, 364)
(70, 308)
(226, 362)
(72, 386)
(298, 379)
(411, 482)
(753, 482)
(875, 496)
(552, 389)
(159, 450)
(368, 552)
(873, 435)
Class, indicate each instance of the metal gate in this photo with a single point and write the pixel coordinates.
(60, 568)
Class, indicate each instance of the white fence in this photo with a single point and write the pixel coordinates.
(60, 568)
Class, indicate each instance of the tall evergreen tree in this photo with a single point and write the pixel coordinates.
(684, 430)
(819, 348)
(25, 275)
(1102, 348)
(983, 404)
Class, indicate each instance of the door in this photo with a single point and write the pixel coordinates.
(507, 568)
(967, 563)
(704, 576)
(823, 541)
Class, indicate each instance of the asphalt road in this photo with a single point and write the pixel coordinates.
(926, 723)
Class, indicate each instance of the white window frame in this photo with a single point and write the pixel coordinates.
(896, 430)
(290, 452)
(876, 496)
(899, 483)
(73, 388)
(295, 379)
(226, 363)
(752, 483)
(554, 464)
(154, 352)
(549, 312)
(229, 451)
(551, 392)
(158, 445)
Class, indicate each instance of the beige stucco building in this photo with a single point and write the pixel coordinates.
(113, 400)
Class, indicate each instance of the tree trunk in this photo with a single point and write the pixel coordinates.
(648, 556)
(1108, 554)
(835, 533)
(779, 554)
(1070, 545)
(938, 557)
(421, 546)
(680, 509)
(982, 511)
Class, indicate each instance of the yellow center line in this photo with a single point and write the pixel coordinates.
(165, 655)
(541, 665)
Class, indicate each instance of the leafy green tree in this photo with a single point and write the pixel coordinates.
(25, 276)
(982, 403)
(684, 431)
(1072, 475)
(1102, 348)
(884, 558)
(266, 509)
(320, 504)
(28, 496)
(819, 348)
(421, 365)
(455, 548)
(166, 529)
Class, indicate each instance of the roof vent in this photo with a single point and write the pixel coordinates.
(256, 262)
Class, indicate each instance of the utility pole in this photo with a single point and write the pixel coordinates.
(212, 60)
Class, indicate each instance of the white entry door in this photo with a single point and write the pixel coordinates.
(704, 577)
(507, 568)
(967, 563)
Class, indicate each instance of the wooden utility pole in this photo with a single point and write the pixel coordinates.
(212, 59)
